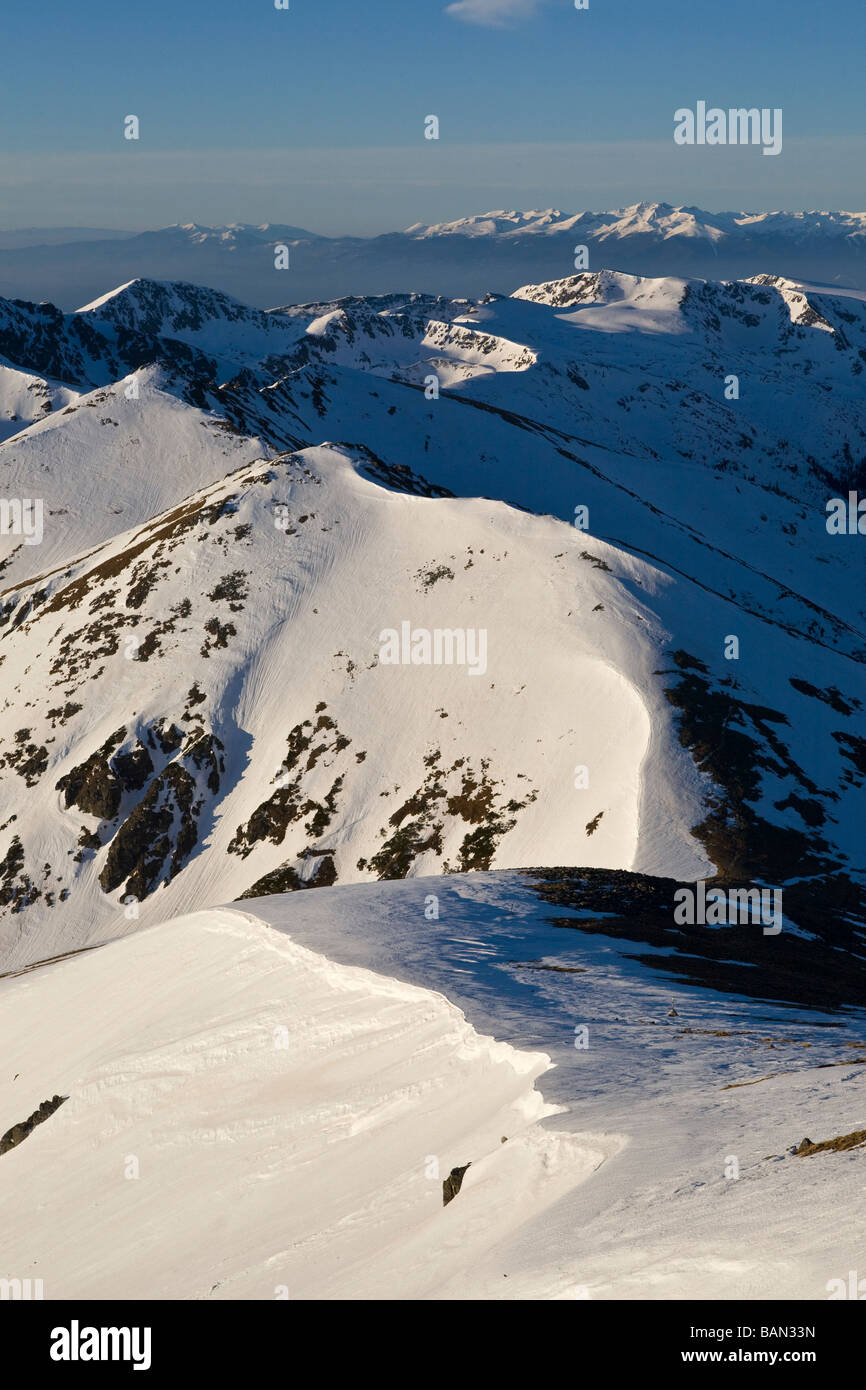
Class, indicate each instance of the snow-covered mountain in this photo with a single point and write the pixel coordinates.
(660, 221)
(375, 675)
(466, 256)
(198, 699)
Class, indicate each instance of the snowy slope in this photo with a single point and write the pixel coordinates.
(25, 398)
(111, 460)
(733, 1075)
(235, 650)
(280, 1114)
(194, 702)
(282, 1129)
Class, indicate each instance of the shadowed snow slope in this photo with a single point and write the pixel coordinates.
(706, 1199)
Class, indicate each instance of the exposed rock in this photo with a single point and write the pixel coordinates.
(19, 1132)
(286, 879)
(453, 1183)
(92, 786)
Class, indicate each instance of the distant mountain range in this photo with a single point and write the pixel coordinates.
(489, 252)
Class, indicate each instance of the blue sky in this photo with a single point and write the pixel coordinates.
(314, 114)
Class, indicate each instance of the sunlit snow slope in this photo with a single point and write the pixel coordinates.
(246, 1119)
(251, 1112)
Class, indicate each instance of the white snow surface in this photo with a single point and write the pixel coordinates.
(26, 397)
(286, 1115)
(263, 1105)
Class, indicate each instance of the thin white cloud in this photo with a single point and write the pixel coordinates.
(494, 13)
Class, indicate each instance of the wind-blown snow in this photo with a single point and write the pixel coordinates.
(291, 1121)
(292, 1114)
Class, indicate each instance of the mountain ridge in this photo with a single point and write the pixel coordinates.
(239, 504)
(465, 256)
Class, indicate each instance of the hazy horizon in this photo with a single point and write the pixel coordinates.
(271, 114)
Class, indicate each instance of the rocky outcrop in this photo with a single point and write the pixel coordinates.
(453, 1183)
(19, 1132)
